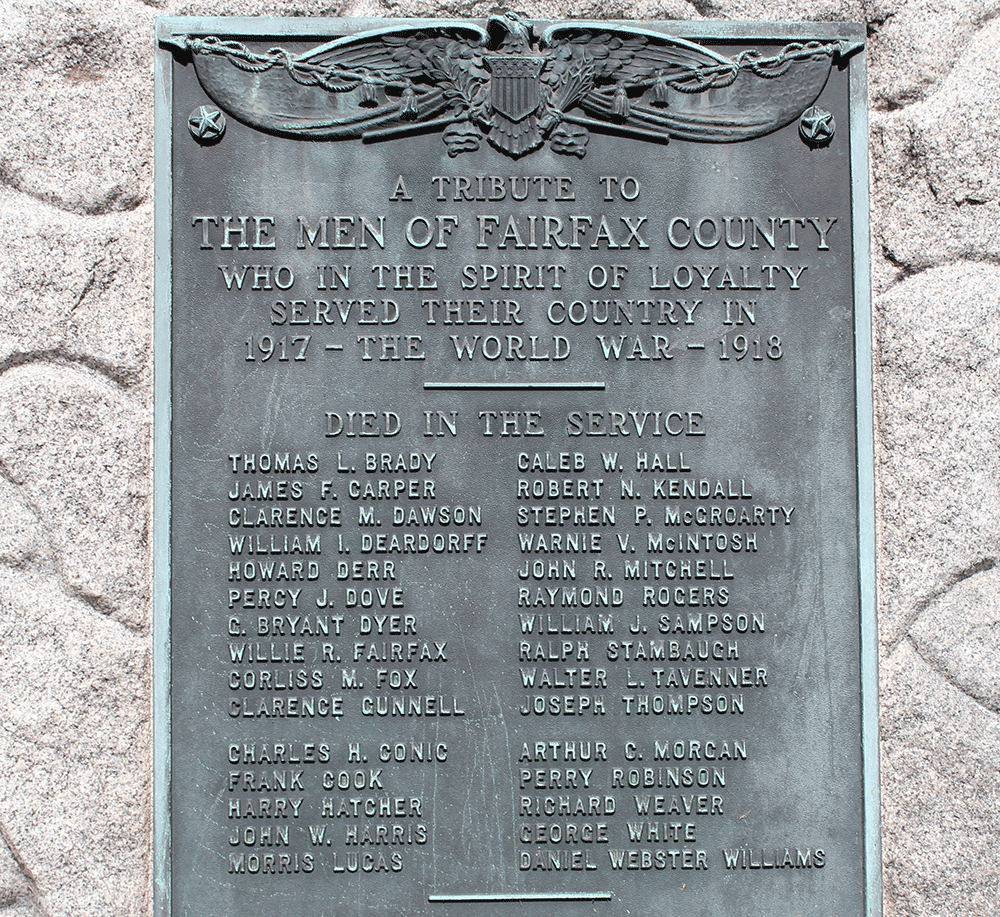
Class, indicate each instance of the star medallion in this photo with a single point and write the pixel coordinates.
(817, 126)
(207, 124)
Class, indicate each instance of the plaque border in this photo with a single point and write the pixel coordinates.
(322, 29)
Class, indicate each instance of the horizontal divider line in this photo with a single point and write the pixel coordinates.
(515, 386)
(525, 896)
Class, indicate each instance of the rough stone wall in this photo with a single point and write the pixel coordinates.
(76, 222)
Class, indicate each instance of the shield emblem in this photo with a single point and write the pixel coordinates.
(514, 85)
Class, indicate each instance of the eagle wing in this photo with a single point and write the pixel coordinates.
(349, 87)
(652, 84)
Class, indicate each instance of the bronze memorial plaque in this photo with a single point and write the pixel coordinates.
(514, 508)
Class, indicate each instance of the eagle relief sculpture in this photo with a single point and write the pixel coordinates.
(512, 88)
